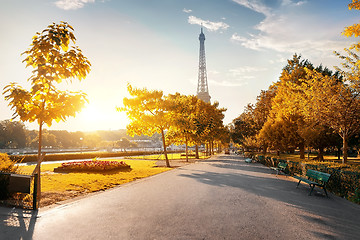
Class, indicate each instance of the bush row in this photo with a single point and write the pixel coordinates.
(72, 156)
(344, 180)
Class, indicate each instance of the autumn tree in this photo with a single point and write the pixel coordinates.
(54, 57)
(336, 100)
(182, 109)
(148, 114)
(334, 104)
(208, 124)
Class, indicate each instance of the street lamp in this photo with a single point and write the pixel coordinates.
(81, 144)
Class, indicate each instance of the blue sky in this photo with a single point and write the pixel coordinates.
(154, 44)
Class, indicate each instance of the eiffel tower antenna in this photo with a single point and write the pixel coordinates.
(202, 88)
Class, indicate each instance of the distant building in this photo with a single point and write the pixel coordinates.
(202, 88)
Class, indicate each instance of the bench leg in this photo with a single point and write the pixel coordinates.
(325, 192)
(312, 188)
(298, 184)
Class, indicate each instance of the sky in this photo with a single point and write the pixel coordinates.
(154, 44)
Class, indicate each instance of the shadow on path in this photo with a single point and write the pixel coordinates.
(339, 215)
(17, 223)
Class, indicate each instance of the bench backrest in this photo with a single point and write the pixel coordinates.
(324, 177)
(282, 165)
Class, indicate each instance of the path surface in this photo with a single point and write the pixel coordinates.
(221, 198)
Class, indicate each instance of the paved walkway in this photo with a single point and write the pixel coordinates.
(221, 198)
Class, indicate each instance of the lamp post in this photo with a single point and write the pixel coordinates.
(81, 144)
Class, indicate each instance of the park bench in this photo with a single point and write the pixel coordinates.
(280, 167)
(17, 183)
(320, 178)
(248, 160)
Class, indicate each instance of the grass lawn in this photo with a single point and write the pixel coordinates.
(61, 186)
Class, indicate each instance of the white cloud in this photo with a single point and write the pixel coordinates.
(292, 3)
(72, 4)
(254, 5)
(211, 26)
(286, 32)
(228, 83)
(240, 71)
(187, 10)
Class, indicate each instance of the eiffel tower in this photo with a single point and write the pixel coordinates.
(202, 88)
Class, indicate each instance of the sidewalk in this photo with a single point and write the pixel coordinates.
(219, 198)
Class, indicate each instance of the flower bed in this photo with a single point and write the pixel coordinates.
(92, 166)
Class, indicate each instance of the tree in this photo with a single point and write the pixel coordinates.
(353, 30)
(123, 143)
(54, 57)
(12, 134)
(286, 104)
(182, 109)
(208, 121)
(148, 114)
(333, 103)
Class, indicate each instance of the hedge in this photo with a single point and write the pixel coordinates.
(72, 156)
(344, 180)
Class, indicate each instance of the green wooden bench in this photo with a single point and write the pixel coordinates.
(280, 167)
(16, 183)
(320, 180)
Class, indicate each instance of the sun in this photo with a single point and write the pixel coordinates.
(91, 113)
(102, 117)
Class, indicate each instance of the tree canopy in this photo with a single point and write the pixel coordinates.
(54, 57)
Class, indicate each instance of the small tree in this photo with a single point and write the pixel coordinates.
(182, 109)
(54, 59)
(147, 111)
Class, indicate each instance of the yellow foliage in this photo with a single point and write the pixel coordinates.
(355, 4)
(352, 30)
(6, 164)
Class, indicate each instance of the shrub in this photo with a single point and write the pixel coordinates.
(344, 180)
(71, 156)
(6, 166)
(92, 166)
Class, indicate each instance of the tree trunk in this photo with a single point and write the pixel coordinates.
(302, 151)
(38, 168)
(264, 150)
(186, 149)
(345, 148)
(321, 154)
(196, 151)
(164, 146)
